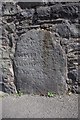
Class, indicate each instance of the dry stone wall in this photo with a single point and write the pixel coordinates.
(7, 50)
(40, 47)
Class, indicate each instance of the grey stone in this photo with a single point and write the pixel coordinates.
(67, 30)
(28, 13)
(39, 63)
(0, 54)
(63, 30)
(66, 10)
(29, 4)
(0, 80)
(73, 75)
(5, 55)
(8, 8)
(46, 1)
(43, 13)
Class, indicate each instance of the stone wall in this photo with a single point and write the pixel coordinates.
(40, 47)
(7, 50)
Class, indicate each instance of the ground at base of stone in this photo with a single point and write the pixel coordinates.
(28, 106)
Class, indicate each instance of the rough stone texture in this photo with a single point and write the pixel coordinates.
(29, 4)
(40, 63)
(6, 68)
(0, 80)
(57, 22)
(68, 11)
(67, 30)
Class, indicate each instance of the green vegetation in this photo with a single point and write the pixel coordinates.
(51, 94)
(19, 93)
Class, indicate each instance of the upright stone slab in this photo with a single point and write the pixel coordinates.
(39, 63)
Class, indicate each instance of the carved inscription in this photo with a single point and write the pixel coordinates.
(39, 63)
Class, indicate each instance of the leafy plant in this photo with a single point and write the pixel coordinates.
(19, 93)
(51, 94)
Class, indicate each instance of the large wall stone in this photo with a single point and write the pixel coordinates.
(40, 63)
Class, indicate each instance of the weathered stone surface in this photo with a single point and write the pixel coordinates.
(43, 13)
(28, 13)
(6, 48)
(67, 30)
(68, 11)
(40, 64)
(8, 8)
(0, 80)
(59, 22)
(30, 4)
